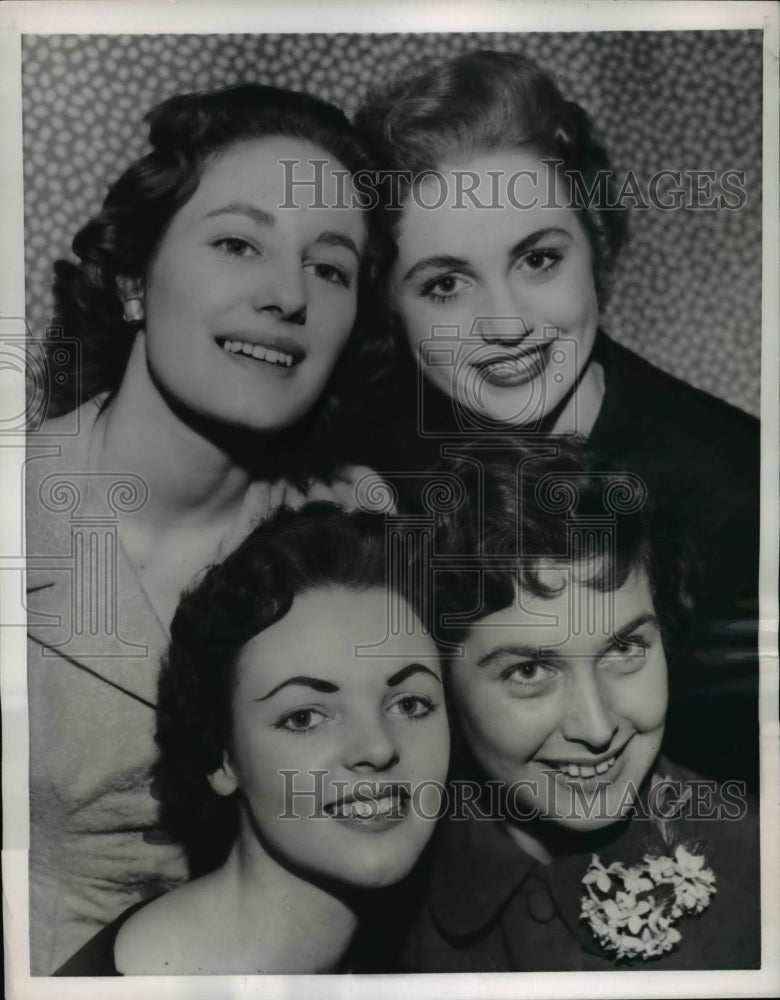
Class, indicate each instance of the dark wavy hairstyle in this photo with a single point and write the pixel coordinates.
(554, 502)
(292, 552)
(186, 132)
(485, 102)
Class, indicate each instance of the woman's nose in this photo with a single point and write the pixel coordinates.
(281, 291)
(371, 747)
(506, 319)
(589, 718)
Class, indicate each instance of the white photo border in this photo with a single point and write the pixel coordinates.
(233, 16)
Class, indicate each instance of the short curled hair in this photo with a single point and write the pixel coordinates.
(287, 555)
(186, 132)
(555, 503)
(489, 101)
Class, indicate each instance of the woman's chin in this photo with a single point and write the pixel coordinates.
(585, 824)
(379, 873)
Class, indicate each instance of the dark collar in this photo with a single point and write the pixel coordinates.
(606, 353)
(478, 868)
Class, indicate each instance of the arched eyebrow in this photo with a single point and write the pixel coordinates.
(529, 242)
(437, 262)
(545, 653)
(514, 649)
(624, 631)
(333, 239)
(449, 263)
(407, 671)
(328, 687)
(258, 215)
(325, 687)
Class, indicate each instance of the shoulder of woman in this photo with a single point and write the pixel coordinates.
(353, 487)
(639, 381)
(357, 487)
(725, 818)
(72, 423)
(63, 442)
(148, 941)
(56, 475)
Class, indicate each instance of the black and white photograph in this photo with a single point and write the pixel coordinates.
(390, 499)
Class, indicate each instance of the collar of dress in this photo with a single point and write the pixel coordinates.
(478, 868)
(85, 602)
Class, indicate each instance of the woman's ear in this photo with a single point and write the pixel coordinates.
(223, 781)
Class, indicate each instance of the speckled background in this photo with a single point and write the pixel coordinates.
(688, 295)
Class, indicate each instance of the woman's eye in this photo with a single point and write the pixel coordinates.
(628, 652)
(538, 262)
(413, 706)
(526, 671)
(529, 674)
(448, 286)
(631, 647)
(302, 720)
(331, 273)
(234, 246)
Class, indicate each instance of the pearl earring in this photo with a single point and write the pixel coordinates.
(133, 310)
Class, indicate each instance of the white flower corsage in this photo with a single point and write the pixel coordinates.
(632, 910)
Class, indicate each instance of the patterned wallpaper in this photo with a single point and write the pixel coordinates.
(688, 293)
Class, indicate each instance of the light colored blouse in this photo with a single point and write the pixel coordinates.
(93, 659)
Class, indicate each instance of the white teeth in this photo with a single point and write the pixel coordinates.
(258, 352)
(365, 808)
(586, 770)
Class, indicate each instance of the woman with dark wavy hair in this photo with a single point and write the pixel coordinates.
(507, 225)
(220, 358)
(303, 743)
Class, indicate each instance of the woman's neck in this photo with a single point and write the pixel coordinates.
(545, 839)
(294, 925)
(195, 509)
(533, 846)
(242, 919)
(189, 476)
(580, 410)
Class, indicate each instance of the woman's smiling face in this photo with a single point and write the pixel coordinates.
(330, 742)
(498, 303)
(566, 696)
(249, 304)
